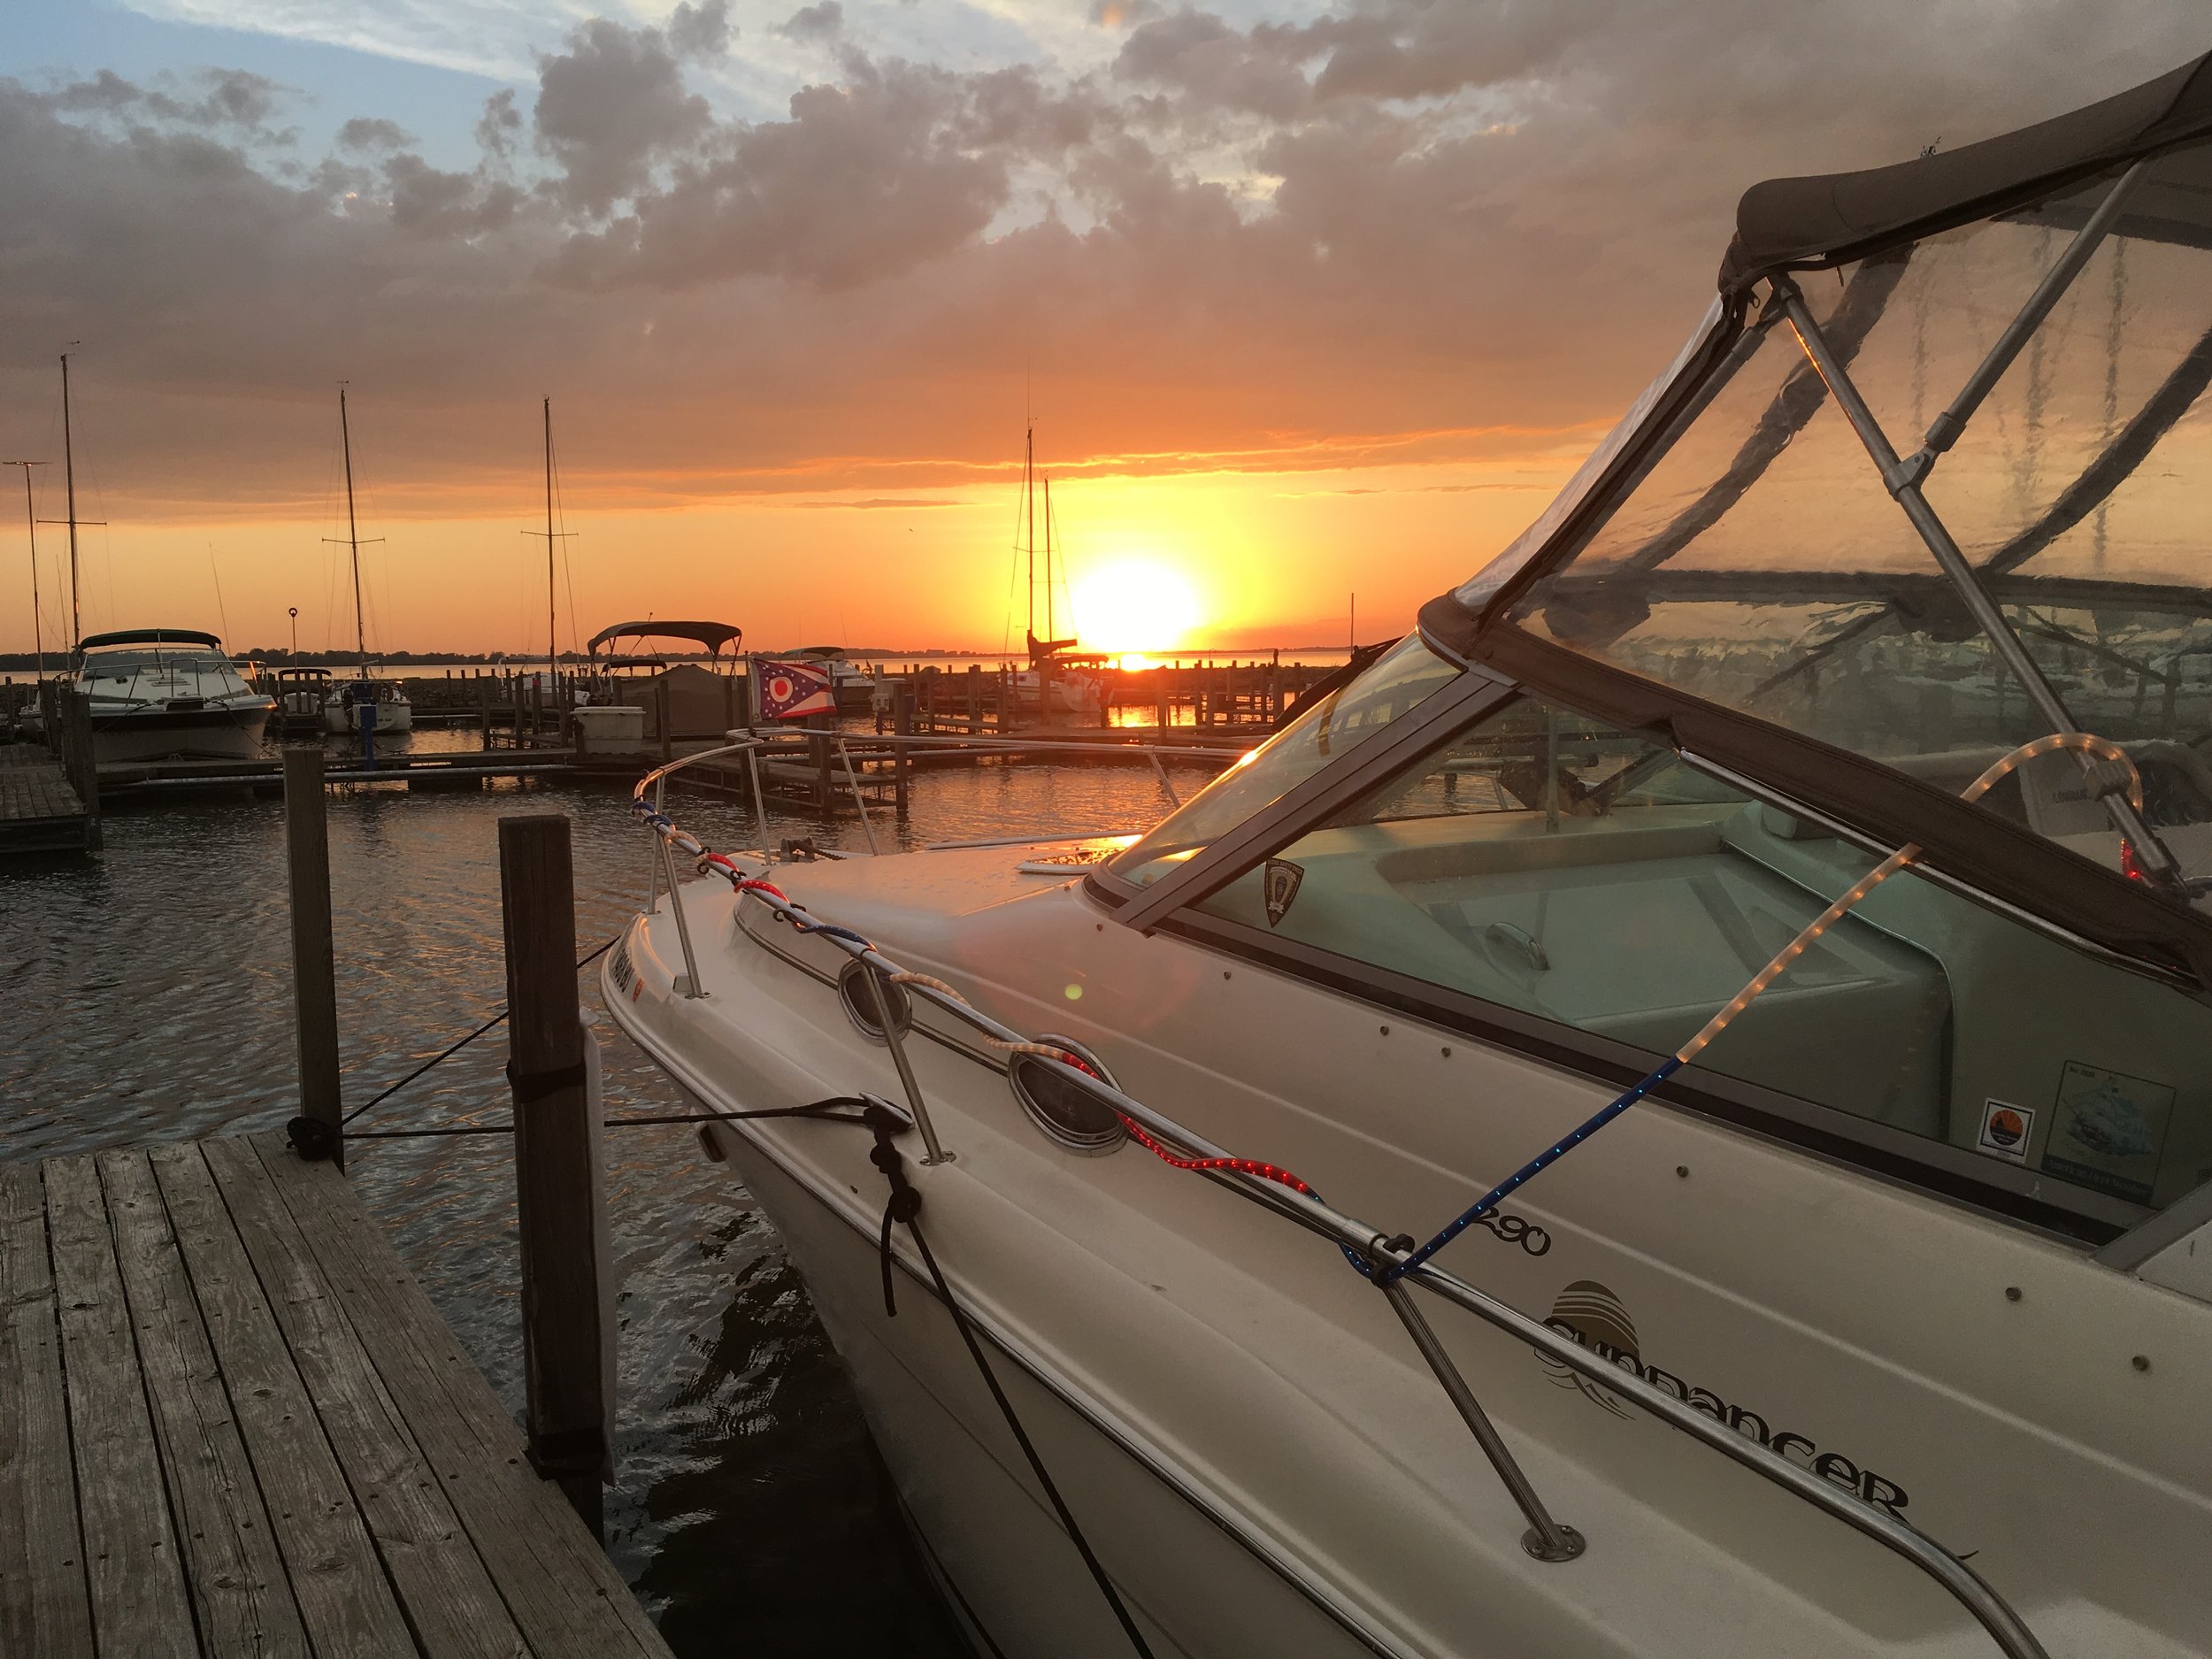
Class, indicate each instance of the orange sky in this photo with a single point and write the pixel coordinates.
(1269, 557)
(1305, 297)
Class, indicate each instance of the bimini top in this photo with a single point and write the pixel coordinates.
(150, 636)
(713, 635)
(1828, 220)
(1873, 529)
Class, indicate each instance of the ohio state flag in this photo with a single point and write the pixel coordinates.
(790, 692)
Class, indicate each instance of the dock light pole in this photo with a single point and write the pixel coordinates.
(293, 612)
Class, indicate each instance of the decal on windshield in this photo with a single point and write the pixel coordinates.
(1279, 883)
(2005, 1129)
(2108, 1131)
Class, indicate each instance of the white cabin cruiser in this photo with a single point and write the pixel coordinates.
(1739, 974)
(158, 694)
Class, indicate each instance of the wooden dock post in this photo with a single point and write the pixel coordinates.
(662, 719)
(560, 1203)
(79, 761)
(902, 726)
(818, 726)
(314, 971)
(975, 698)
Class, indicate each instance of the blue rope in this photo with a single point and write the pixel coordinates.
(1534, 1167)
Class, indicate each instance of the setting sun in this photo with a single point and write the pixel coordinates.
(1133, 606)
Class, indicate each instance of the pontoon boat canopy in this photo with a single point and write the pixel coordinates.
(713, 635)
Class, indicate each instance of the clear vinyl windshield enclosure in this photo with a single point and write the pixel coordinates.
(2006, 414)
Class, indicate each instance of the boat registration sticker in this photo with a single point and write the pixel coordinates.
(2107, 1130)
(620, 970)
(2005, 1131)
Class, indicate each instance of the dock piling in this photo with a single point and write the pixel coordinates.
(314, 971)
(560, 1200)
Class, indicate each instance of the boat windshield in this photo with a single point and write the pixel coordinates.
(1758, 560)
(1402, 677)
(125, 666)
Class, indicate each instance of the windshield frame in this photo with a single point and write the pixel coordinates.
(1465, 696)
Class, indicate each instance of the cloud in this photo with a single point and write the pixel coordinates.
(815, 24)
(1440, 235)
(230, 101)
(611, 107)
(876, 503)
(703, 31)
(367, 132)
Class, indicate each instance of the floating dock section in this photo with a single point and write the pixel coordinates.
(231, 1422)
(40, 810)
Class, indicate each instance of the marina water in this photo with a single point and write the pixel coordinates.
(145, 995)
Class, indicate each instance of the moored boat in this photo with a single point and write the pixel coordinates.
(1763, 1106)
(160, 694)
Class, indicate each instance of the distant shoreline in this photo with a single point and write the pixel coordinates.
(520, 661)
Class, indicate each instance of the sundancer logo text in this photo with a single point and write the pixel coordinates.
(1595, 1318)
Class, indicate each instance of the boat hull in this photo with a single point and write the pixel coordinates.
(340, 720)
(1177, 1354)
(211, 733)
(996, 1547)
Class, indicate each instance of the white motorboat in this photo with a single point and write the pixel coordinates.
(1764, 1108)
(160, 694)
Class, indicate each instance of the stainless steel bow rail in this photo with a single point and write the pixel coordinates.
(1391, 1262)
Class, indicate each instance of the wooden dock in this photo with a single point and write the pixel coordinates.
(449, 769)
(231, 1422)
(39, 811)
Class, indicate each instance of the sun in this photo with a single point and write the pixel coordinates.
(1133, 606)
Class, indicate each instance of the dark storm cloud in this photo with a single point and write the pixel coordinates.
(1444, 229)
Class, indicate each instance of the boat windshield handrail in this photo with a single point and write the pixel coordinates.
(1391, 1261)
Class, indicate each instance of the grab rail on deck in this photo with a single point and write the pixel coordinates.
(1362, 1242)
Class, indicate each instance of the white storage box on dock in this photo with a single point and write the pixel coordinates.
(612, 728)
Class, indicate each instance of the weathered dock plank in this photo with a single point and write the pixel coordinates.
(564, 1592)
(345, 1603)
(420, 1540)
(213, 1356)
(45, 1612)
(240, 1598)
(139, 1602)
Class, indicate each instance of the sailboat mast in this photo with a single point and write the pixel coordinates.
(30, 524)
(1050, 632)
(353, 537)
(69, 471)
(552, 633)
(1029, 506)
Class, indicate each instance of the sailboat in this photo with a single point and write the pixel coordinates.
(1048, 684)
(342, 703)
